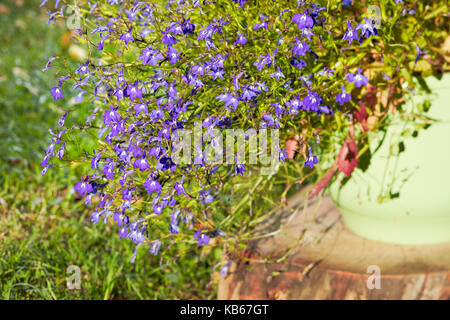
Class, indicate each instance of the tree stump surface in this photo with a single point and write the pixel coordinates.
(324, 260)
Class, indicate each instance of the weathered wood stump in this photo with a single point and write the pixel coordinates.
(324, 260)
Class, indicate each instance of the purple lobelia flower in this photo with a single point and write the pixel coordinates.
(124, 177)
(235, 80)
(239, 168)
(174, 228)
(108, 170)
(127, 194)
(62, 119)
(312, 160)
(156, 151)
(351, 33)
(307, 33)
(127, 37)
(44, 161)
(224, 270)
(83, 68)
(262, 62)
(303, 20)
(294, 105)
(187, 27)
(248, 93)
(158, 208)
(51, 16)
(123, 232)
(297, 63)
(100, 45)
(327, 72)
(57, 93)
(230, 101)
(419, 53)
(140, 108)
(152, 185)
(95, 160)
(179, 187)
(136, 236)
(134, 92)
(141, 164)
(312, 101)
(121, 219)
(282, 155)
(219, 73)
(47, 65)
(241, 39)
(218, 62)
(216, 233)
(79, 98)
(367, 28)
(165, 163)
(95, 217)
(60, 152)
(263, 23)
(201, 237)
(278, 74)
(155, 58)
(150, 56)
(154, 247)
(208, 199)
(119, 93)
(44, 171)
(172, 91)
(358, 78)
(173, 55)
(347, 3)
(111, 116)
(83, 187)
(199, 70)
(164, 133)
(240, 2)
(168, 39)
(156, 115)
(300, 48)
(175, 219)
(343, 97)
(174, 28)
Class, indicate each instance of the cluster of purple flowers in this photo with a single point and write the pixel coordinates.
(184, 66)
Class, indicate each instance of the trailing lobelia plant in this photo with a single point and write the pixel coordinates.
(167, 78)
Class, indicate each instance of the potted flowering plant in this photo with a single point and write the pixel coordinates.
(189, 98)
(397, 193)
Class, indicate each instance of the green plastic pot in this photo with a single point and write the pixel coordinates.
(403, 196)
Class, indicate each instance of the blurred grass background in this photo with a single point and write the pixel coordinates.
(43, 227)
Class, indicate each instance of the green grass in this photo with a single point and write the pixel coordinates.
(44, 228)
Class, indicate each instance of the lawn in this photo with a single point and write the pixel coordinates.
(44, 228)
